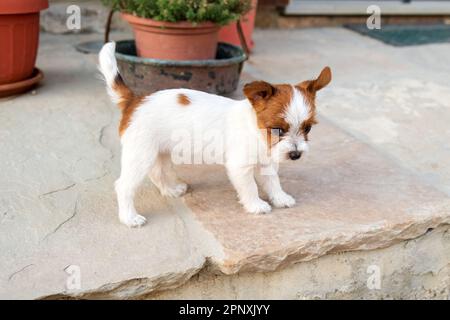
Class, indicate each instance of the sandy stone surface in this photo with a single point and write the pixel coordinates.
(59, 159)
(348, 198)
(359, 188)
(395, 99)
(412, 269)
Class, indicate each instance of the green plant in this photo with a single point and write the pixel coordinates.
(218, 11)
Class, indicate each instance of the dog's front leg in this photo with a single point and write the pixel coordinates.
(243, 180)
(269, 181)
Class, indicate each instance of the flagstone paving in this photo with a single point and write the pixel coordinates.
(377, 173)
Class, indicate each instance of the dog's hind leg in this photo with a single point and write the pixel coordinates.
(164, 177)
(135, 164)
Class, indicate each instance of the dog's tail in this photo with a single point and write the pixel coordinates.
(116, 87)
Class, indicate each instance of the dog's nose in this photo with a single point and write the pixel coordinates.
(294, 155)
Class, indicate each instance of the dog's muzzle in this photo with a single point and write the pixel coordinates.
(294, 155)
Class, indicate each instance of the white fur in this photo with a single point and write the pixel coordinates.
(108, 67)
(160, 128)
(296, 112)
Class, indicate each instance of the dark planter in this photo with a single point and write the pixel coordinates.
(145, 76)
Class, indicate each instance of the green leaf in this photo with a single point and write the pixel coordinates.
(218, 11)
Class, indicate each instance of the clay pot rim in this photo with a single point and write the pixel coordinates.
(240, 57)
(22, 6)
(168, 25)
(8, 89)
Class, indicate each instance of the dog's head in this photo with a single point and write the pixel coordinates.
(286, 113)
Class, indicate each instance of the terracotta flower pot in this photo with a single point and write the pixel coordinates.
(19, 38)
(229, 32)
(174, 41)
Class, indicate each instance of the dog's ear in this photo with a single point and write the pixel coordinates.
(258, 90)
(315, 85)
(323, 80)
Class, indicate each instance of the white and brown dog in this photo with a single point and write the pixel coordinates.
(152, 126)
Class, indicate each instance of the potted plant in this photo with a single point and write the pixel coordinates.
(19, 40)
(178, 29)
(229, 33)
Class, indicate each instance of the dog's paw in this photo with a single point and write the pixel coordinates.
(133, 221)
(258, 207)
(283, 200)
(175, 191)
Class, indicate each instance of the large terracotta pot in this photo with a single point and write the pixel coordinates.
(19, 38)
(229, 32)
(174, 41)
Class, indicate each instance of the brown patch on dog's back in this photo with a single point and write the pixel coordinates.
(128, 102)
(183, 99)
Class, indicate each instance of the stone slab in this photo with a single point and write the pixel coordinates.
(60, 157)
(348, 198)
(412, 269)
(397, 100)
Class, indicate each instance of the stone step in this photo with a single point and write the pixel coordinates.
(58, 214)
(349, 198)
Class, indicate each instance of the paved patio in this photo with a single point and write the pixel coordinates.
(378, 174)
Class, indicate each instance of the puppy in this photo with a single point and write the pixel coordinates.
(250, 137)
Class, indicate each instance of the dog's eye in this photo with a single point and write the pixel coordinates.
(307, 129)
(277, 132)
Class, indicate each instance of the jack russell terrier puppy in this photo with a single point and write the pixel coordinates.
(251, 136)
